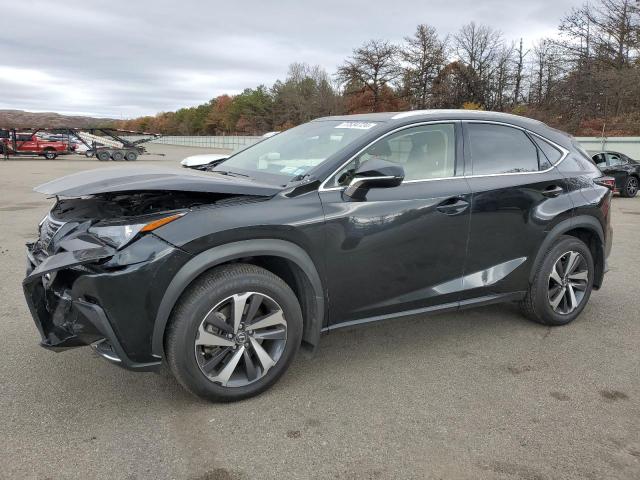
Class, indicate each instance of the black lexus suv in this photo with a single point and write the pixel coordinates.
(224, 274)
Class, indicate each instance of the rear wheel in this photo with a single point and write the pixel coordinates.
(562, 284)
(90, 153)
(630, 188)
(234, 333)
(131, 156)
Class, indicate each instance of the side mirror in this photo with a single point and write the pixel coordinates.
(374, 173)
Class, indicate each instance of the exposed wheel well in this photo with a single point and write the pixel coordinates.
(592, 240)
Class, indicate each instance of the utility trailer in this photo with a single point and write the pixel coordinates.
(103, 143)
(112, 143)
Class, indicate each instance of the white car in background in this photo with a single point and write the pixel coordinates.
(201, 162)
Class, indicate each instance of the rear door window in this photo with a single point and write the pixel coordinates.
(495, 149)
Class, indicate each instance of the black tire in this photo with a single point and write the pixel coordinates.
(198, 301)
(131, 156)
(630, 188)
(90, 153)
(537, 303)
(117, 156)
(103, 155)
(50, 154)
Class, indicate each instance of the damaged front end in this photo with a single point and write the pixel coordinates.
(97, 271)
(99, 268)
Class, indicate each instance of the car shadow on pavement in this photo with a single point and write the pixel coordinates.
(343, 353)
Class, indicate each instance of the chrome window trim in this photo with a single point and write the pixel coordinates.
(564, 151)
(356, 182)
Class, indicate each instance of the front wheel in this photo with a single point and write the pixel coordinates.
(630, 188)
(562, 283)
(103, 155)
(233, 333)
(50, 154)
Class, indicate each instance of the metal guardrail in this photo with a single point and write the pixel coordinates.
(630, 146)
(227, 142)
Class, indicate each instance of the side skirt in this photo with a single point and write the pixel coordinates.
(445, 307)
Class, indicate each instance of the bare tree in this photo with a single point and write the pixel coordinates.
(424, 55)
(617, 29)
(546, 71)
(605, 32)
(519, 73)
(502, 78)
(477, 46)
(602, 43)
(576, 29)
(371, 67)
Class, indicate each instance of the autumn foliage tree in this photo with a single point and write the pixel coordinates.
(371, 68)
(305, 94)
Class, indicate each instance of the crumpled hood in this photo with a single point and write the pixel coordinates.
(142, 178)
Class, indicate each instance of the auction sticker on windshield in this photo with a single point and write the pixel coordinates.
(356, 125)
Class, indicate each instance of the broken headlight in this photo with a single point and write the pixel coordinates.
(118, 234)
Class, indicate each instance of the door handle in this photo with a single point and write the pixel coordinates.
(453, 206)
(552, 191)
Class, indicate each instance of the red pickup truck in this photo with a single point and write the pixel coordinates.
(31, 144)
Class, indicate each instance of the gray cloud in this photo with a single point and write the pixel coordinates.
(128, 58)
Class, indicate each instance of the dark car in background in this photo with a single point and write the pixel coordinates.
(224, 274)
(622, 168)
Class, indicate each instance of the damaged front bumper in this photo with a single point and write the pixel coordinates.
(92, 294)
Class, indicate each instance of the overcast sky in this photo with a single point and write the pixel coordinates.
(128, 58)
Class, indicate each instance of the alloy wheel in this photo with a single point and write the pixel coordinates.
(240, 339)
(632, 186)
(568, 282)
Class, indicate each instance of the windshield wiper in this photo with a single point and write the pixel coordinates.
(210, 166)
(299, 178)
(232, 174)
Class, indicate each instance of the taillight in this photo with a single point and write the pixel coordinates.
(608, 182)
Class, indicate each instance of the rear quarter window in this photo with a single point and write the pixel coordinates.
(550, 155)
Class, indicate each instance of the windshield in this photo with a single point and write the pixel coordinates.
(294, 152)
